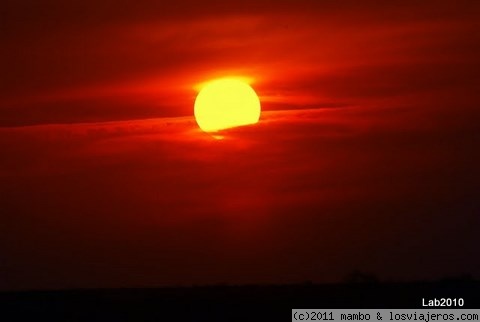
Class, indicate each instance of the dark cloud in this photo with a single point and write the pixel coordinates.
(120, 60)
(302, 195)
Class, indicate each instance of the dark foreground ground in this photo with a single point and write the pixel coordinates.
(224, 303)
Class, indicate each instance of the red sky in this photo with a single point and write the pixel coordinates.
(366, 156)
(84, 61)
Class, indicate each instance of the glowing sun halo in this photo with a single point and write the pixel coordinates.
(226, 103)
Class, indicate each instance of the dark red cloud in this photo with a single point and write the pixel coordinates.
(114, 61)
(307, 195)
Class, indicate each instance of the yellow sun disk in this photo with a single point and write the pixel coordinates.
(226, 103)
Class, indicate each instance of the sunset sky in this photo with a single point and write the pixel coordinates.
(365, 157)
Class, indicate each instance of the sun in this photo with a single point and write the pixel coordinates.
(226, 103)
